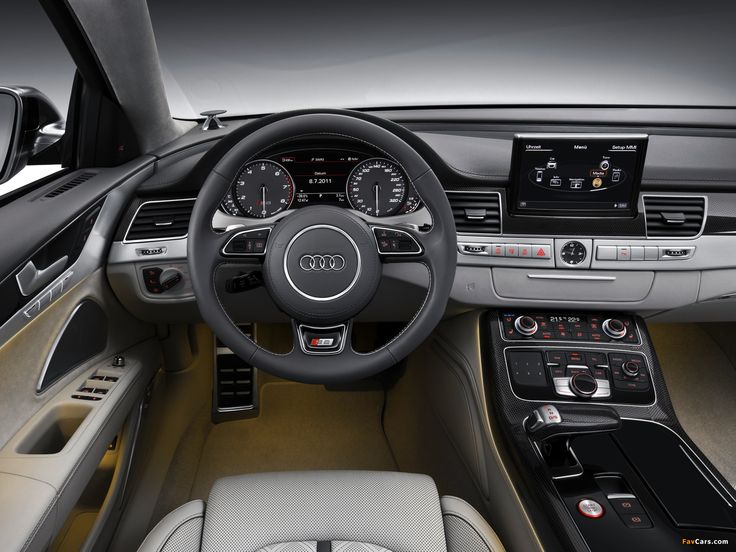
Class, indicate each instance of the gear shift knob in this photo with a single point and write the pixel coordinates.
(549, 421)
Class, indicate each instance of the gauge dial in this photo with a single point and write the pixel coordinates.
(412, 201)
(573, 253)
(230, 206)
(377, 187)
(263, 189)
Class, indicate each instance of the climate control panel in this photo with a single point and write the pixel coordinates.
(593, 328)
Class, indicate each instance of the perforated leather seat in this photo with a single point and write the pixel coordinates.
(338, 511)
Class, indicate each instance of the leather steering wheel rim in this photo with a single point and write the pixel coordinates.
(217, 171)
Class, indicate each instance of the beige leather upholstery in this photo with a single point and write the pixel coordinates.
(337, 511)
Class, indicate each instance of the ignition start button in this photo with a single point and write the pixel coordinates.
(590, 508)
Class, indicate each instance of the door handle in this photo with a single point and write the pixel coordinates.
(30, 279)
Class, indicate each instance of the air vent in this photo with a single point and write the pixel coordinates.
(476, 212)
(160, 220)
(73, 183)
(674, 216)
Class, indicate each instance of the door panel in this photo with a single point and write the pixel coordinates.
(53, 437)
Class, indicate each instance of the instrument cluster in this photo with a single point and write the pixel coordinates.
(353, 179)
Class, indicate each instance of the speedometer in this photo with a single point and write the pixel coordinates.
(263, 188)
(377, 187)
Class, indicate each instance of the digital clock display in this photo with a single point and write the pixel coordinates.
(561, 318)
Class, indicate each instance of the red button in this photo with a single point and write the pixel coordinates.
(590, 508)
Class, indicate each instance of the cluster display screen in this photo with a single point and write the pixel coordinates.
(320, 175)
(597, 175)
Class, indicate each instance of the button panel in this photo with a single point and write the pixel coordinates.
(547, 374)
(528, 251)
(584, 328)
(625, 252)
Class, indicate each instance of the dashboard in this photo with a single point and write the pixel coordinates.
(357, 179)
(656, 235)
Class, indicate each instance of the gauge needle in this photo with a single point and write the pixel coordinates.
(376, 190)
(263, 200)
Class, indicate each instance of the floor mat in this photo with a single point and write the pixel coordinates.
(300, 427)
(702, 383)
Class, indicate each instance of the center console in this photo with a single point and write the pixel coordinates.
(583, 405)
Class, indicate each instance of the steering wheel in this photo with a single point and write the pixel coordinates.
(321, 264)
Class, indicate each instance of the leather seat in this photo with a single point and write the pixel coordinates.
(338, 511)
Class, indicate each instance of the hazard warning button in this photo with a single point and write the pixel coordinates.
(542, 251)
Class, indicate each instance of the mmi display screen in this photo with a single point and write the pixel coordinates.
(577, 175)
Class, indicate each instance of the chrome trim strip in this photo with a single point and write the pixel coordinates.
(127, 231)
(571, 277)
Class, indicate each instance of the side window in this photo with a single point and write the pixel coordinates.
(32, 54)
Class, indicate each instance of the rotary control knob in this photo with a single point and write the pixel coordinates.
(583, 385)
(526, 325)
(613, 327)
(169, 278)
(630, 368)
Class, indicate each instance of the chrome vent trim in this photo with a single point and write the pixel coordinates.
(160, 220)
(675, 216)
(476, 212)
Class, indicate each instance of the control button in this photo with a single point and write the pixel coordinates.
(497, 250)
(605, 165)
(596, 359)
(651, 253)
(541, 251)
(33, 310)
(556, 357)
(613, 327)
(623, 253)
(572, 369)
(511, 250)
(526, 325)
(600, 374)
(631, 385)
(630, 368)
(606, 253)
(525, 250)
(527, 368)
(583, 385)
(590, 508)
(625, 504)
(562, 387)
(637, 252)
(389, 241)
(575, 357)
(556, 371)
(637, 521)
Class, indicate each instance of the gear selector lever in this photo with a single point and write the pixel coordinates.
(552, 429)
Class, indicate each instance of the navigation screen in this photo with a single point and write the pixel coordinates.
(598, 175)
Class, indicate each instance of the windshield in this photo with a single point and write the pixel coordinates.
(254, 58)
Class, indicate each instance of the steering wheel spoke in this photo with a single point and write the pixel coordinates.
(332, 340)
(249, 243)
(400, 244)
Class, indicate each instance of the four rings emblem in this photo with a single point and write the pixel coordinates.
(326, 263)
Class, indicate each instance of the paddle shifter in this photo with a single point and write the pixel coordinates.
(552, 429)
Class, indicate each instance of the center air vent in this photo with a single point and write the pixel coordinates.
(476, 212)
(674, 216)
(160, 220)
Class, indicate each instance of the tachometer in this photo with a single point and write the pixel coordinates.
(263, 189)
(377, 187)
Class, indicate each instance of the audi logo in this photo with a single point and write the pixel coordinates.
(326, 263)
